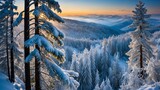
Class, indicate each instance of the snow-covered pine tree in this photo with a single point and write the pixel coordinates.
(37, 63)
(140, 47)
(115, 74)
(93, 65)
(45, 40)
(85, 77)
(4, 39)
(12, 8)
(7, 13)
(118, 44)
(4, 29)
(97, 87)
(75, 63)
(97, 79)
(104, 61)
(26, 37)
(105, 85)
(140, 50)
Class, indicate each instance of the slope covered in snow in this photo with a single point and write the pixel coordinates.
(81, 29)
(5, 83)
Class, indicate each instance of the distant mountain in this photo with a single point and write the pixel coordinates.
(82, 29)
(98, 26)
(108, 20)
(116, 22)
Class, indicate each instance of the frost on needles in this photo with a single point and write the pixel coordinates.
(141, 50)
(47, 52)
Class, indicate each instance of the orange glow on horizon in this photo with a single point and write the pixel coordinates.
(102, 12)
(105, 12)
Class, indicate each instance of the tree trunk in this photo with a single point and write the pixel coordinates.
(141, 61)
(141, 58)
(8, 65)
(37, 63)
(11, 51)
(26, 49)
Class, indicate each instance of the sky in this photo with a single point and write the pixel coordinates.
(101, 7)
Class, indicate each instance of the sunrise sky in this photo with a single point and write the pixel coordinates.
(101, 7)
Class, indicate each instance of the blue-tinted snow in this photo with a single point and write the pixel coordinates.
(5, 84)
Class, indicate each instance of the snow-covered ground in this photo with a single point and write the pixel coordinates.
(5, 84)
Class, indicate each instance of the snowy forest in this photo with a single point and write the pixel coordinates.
(42, 50)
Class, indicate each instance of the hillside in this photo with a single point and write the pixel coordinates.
(81, 29)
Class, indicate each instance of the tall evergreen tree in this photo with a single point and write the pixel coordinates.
(141, 51)
(37, 63)
(115, 74)
(75, 63)
(7, 14)
(44, 40)
(26, 37)
(4, 30)
(11, 48)
(104, 61)
(7, 50)
(105, 85)
(85, 78)
(97, 79)
(93, 66)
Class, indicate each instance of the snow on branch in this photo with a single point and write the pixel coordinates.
(71, 73)
(17, 52)
(53, 4)
(57, 70)
(52, 29)
(5, 5)
(48, 13)
(41, 41)
(14, 7)
(36, 12)
(33, 54)
(18, 20)
(5, 12)
(140, 16)
(6, 9)
(61, 74)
